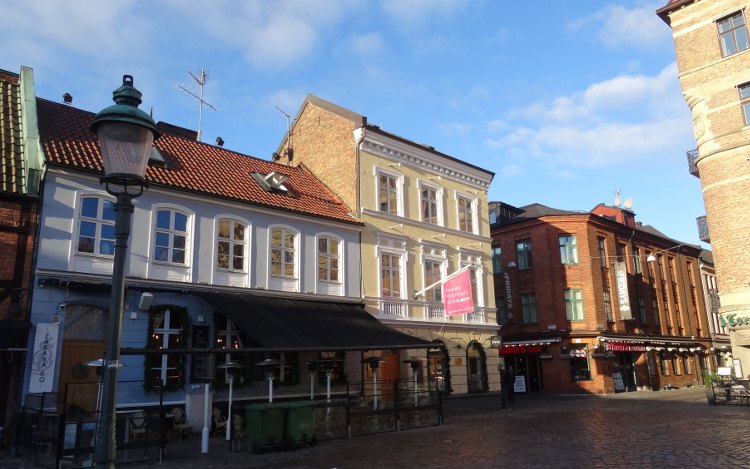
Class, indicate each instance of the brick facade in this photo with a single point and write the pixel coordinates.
(611, 344)
(710, 84)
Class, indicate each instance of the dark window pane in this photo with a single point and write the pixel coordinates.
(89, 206)
(180, 222)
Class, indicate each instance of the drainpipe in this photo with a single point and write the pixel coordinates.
(357, 147)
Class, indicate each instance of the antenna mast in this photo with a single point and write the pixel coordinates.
(289, 146)
(201, 80)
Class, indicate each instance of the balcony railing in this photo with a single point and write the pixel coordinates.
(713, 297)
(703, 229)
(429, 311)
(692, 156)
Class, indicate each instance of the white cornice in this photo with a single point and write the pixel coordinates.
(425, 160)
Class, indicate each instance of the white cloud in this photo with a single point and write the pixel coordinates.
(420, 11)
(456, 129)
(368, 44)
(617, 26)
(616, 121)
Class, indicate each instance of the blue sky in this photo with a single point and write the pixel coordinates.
(567, 101)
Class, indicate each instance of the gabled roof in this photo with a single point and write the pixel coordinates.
(360, 120)
(190, 166)
(11, 135)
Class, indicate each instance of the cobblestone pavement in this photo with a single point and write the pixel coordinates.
(664, 429)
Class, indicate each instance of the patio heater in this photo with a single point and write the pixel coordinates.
(268, 365)
(230, 368)
(415, 364)
(328, 366)
(312, 365)
(374, 363)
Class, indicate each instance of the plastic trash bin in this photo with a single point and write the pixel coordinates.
(265, 426)
(299, 425)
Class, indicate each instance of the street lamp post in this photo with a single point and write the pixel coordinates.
(125, 137)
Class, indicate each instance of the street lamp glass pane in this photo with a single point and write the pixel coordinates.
(125, 147)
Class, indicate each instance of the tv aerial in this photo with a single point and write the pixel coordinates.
(201, 81)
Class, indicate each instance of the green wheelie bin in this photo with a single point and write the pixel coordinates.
(300, 426)
(265, 426)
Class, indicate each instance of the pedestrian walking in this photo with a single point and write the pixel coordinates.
(509, 380)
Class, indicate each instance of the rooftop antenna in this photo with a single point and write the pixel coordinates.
(201, 80)
(618, 198)
(628, 203)
(289, 148)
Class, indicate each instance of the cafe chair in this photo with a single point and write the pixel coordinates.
(137, 426)
(220, 421)
(180, 423)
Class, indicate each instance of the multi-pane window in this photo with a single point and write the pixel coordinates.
(230, 246)
(167, 328)
(568, 250)
(676, 365)
(465, 214)
(432, 275)
(574, 304)
(642, 310)
(328, 260)
(608, 306)
(528, 308)
(388, 193)
(96, 226)
(732, 34)
(664, 367)
(429, 205)
(655, 308)
(601, 246)
(620, 252)
(283, 253)
(523, 250)
(390, 275)
(745, 101)
(170, 236)
(497, 264)
(637, 267)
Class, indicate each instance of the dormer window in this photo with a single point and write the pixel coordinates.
(156, 159)
(271, 182)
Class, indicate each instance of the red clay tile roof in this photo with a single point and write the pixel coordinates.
(190, 166)
(11, 138)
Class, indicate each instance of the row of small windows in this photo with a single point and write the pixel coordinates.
(390, 188)
(96, 236)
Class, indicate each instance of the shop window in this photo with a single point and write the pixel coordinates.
(579, 363)
(664, 367)
(676, 365)
(168, 328)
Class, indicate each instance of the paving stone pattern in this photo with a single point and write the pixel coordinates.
(665, 429)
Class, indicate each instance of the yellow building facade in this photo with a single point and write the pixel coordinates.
(426, 217)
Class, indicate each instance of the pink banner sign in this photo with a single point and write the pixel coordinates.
(457, 295)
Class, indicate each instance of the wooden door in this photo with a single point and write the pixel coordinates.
(391, 367)
(80, 381)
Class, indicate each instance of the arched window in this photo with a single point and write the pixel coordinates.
(231, 244)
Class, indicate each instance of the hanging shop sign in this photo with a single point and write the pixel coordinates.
(519, 349)
(625, 347)
(623, 296)
(44, 358)
(508, 295)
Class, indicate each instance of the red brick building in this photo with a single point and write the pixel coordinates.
(596, 302)
(19, 182)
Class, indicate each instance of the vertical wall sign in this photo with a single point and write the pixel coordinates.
(623, 295)
(44, 358)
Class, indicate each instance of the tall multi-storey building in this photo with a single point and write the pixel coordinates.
(720, 343)
(596, 302)
(425, 217)
(713, 57)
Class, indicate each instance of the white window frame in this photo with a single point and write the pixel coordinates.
(569, 250)
(334, 287)
(296, 252)
(171, 233)
(473, 205)
(167, 330)
(572, 314)
(98, 221)
(476, 266)
(393, 247)
(438, 190)
(399, 191)
(232, 243)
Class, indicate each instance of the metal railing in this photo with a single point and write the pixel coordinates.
(702, 224)
(692, 156)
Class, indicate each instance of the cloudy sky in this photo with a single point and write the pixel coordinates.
(567, 101)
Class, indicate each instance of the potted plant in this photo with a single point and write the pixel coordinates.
(708, 381)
